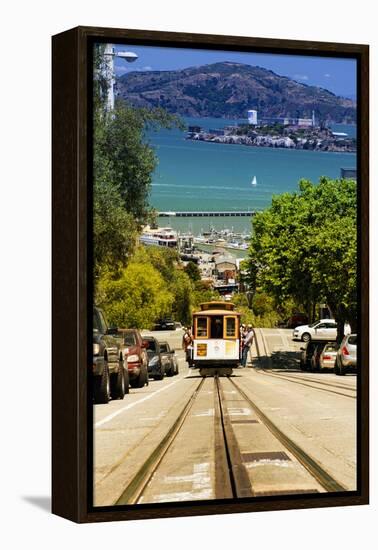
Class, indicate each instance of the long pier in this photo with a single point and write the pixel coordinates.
(210, 214)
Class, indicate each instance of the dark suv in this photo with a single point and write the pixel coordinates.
(165, 324)
(169, 359)
(110, 377)
(156, 363)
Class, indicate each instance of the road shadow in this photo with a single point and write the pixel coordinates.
(280, 361)
(41, 502)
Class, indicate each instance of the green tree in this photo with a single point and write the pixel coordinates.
(304, 246)
(136, 298)
(193, 272)
(133, 158)
(114, 228)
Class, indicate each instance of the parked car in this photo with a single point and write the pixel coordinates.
(296, 320)
(165, 324)
(168, 356)
(325, 329)
(134, 351)
(315, 357)
(110, 373)
(324, 355)
(328, 356)
(156, 367)
(310, 356)
(346, 359)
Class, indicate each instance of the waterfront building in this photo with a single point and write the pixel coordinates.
(348, 173)
(225, 269)
(252, 117)
(194, 129)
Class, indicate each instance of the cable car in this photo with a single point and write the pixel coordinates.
(216, 339)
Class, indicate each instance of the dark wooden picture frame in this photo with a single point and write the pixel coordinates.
(72, 286)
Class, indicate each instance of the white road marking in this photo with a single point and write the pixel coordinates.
(208, 412)
(132, 405)
(201, 485)
(269, 462)
(239, 411)
(205, 494)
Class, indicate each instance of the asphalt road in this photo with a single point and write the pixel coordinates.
(164, 442)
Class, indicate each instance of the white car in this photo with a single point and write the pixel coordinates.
(325, 329)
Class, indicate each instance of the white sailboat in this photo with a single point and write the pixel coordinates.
(254, 181)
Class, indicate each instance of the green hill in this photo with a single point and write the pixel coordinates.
(229, 89)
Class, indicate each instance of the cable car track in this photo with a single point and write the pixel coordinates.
(296, 380)
(328, 483)
(232, 478)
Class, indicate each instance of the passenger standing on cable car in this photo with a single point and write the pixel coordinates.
(247, 343)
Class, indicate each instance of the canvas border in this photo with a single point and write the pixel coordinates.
(71, 270)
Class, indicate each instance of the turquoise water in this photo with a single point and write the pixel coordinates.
(194, 175)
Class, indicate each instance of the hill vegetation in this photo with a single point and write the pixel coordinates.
(228, 90)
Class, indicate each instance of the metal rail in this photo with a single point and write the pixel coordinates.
(239, 479)
(134, 490)
(322, 476)
(296, 380)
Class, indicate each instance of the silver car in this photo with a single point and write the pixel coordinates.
(346, 359)
(328, 356)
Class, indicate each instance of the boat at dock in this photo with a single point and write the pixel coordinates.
(163, 236)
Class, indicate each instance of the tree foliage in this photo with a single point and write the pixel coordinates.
(193, 272)
(123, 162)
(136, 298)
(304, 247)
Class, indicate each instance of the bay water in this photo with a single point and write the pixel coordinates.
(195, 175)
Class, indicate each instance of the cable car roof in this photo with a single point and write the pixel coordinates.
(217, 304)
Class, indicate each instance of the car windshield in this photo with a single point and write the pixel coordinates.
(352, 339)
(331, 347)
(314, 324)
(130, 339)
(151, 346)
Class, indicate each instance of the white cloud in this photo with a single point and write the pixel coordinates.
(327, 75)
(301, 77)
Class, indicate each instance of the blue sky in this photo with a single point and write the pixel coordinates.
(335, 74)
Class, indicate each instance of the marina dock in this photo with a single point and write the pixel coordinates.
(210, 214)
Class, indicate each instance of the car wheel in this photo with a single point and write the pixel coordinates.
(171, 371)
(101, 387)
(127, 378)
(117, 383)
(306, 337)
(338, 368)
(142, 378)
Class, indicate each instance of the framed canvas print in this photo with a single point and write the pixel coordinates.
(210, 274)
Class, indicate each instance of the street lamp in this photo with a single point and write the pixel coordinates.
(109, 55)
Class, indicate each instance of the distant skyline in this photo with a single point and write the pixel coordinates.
(337, 75)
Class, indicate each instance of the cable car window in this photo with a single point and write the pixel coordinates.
(217, 327)
(230, 327)
(202, 327)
